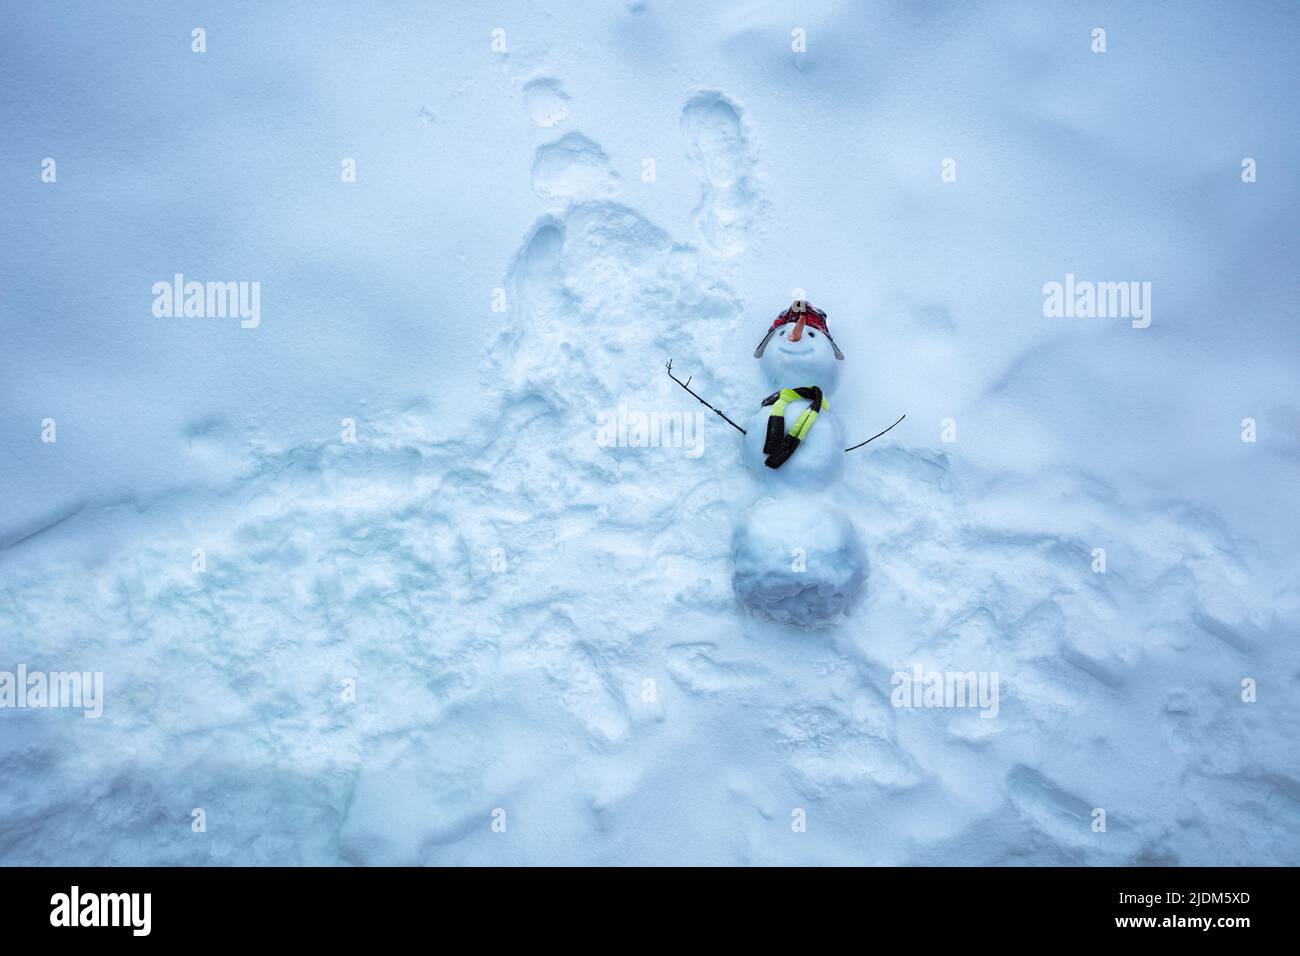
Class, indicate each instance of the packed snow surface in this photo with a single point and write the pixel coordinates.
(483, 634)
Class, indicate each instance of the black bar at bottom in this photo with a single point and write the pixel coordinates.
(333, 906)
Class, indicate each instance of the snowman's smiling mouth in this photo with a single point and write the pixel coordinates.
(785, 351)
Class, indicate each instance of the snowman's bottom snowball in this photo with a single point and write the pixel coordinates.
(797, 560)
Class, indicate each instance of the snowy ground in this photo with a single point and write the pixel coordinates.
(544, 626)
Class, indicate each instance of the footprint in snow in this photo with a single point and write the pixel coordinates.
(573, 168)
(546, 102)
(1177, 722)
(719, 150)
(694, 668)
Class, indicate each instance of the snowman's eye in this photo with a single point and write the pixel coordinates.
(812, 335)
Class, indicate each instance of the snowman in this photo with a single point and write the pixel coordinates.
(796, 556)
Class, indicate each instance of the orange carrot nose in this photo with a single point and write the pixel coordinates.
(797, 334)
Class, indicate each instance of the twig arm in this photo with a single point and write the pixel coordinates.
(687, 385)
(874, 437)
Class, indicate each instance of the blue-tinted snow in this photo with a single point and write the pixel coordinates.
(545, 626)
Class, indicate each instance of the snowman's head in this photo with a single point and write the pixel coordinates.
(798, 350)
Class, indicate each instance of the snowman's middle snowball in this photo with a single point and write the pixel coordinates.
(816, 463)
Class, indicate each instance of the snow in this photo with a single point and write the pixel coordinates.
(542, 624)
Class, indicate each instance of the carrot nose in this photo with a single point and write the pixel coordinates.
(797, 334)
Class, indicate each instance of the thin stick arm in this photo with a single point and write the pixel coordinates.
(687, 385)
(874, 437)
